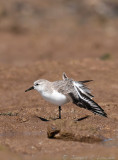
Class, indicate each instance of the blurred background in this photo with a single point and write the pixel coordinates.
(33, 30)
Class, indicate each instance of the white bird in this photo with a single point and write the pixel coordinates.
(67, 90)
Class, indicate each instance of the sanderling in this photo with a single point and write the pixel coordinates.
(67, 90)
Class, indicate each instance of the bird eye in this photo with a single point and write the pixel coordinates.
(36, 84)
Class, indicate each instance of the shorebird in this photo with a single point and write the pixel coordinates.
(67, 90)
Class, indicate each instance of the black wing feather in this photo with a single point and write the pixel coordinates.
(86, 81)
(87, 103)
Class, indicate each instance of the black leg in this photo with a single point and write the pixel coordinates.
(59, 112)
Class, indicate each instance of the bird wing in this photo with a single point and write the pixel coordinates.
(83, 88)
(84, 99)
(86, 81)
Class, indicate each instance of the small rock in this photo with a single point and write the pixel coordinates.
(52, 131)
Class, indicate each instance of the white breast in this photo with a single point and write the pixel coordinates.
(55, 98)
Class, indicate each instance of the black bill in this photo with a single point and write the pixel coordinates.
(29, 89)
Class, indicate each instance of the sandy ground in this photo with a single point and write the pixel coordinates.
(23, 135)
(83, 51)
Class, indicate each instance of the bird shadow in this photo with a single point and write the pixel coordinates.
(46, 120)
(43, 119)
(80, 119)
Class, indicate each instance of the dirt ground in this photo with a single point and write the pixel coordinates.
(83, 52)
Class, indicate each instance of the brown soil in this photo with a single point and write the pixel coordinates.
(83, 51)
